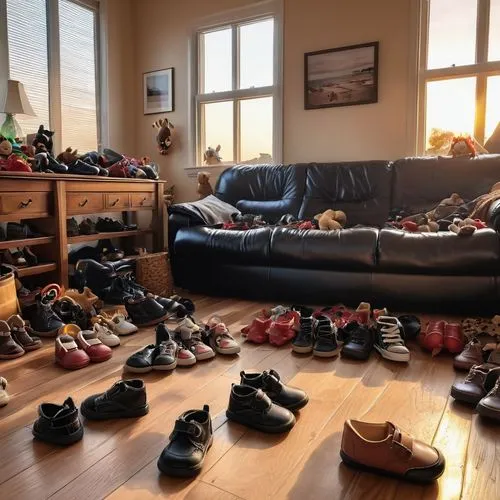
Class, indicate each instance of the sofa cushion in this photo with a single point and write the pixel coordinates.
(361, 189)
(220, 246)
(349, 249)
(268, 190)
(439, 253)
(421, 183)
(209, 210)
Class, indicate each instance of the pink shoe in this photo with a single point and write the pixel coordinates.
(282, 329)
(257, 330)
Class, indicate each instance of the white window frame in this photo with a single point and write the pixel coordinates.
(234, 19)
(481, 69)
(54, 73)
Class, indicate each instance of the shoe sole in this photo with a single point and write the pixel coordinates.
(271, 430)
(346, 353)
(154, 322)
(204, 357)
(422, 475)
(61, 440)
(393, 356)
(464, 398)
(30, 348)
(327, 354)
(165, 368)
(116, 344)
(184, 471)
(186, 362)
(484, 411)
(297, 406)
(92, 415)
(133, 369)
(12, 356)
(465, 367)
(302, 350)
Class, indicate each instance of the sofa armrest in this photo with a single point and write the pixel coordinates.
(493, 216)
(177, 221)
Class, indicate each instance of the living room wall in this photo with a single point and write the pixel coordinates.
(160, 39)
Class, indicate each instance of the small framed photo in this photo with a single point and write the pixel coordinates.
(345, 76)
(158, 91)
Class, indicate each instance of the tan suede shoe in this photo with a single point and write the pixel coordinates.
(385, 449)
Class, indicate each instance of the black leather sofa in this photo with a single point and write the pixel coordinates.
(387, 267)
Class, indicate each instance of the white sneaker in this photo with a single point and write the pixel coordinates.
(106, 336)
(121, 326)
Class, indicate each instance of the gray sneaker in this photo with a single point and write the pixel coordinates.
(165, 356)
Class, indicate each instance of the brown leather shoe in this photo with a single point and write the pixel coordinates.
(385, 449)
(471, 390)
(470, 356)
(489, 406)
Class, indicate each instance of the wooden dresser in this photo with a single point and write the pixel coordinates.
(46, 201)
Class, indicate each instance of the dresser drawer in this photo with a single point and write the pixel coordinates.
(84, 203)
(141, 200)
(115, 201)
(21, 205)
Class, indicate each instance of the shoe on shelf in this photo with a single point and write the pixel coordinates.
(217, 336)
(79, 167)
(18, 330)
(108, 225)
(87, 226)
(184, 356)
(93, 347)
(257, 330)
(45, 322)
(253, 408)
(141, 361)
(190, 334)
(291, 398)
(385, 449)
(105, 335)
(30, 258)
(489, 406)
(188, 444)
(325, 343)
(470, 356)
(453, 338)
(472, 389)
(16, 231)
(433, 338)
(108, 252)
(4, 396)
(389, 339)
(68, 355)
(303, 342)
(359, 341)
(72, 228)
(145, 311)
(58, 424)
(124, 399)
(9, 348)
(14, 257)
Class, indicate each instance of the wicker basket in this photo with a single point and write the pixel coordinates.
(152, 271)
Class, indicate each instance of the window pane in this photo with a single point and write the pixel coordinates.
(78, 84)
(27, 39)
(218, 126)
(256, 54)
(216, 61)
(452, 33)
(450, 108)
(256, 129)
(492, 106)
(494, 43)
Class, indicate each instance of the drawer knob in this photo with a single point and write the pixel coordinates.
(83, 203)
(115, 202)
(25, 204)
(143, 201)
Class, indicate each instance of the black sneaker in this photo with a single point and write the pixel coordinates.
(253, 408)
(45, 322)
(172, 307)
(79, 167)
(188, 444)
(303, 342)
(165, 355)
(145, 311)
(58, 424)
(325, 345)
(108, 225)
(125, 399)
(389, 340)
(72, 228)
(288, 397)
(141, 361)
(359, 341)
(118, 292)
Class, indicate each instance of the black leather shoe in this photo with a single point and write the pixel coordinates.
(171, 307)
(118, 292)
(70, 312)
(17, 231)
(288, 397)
(145, 311)
(125, 399)
(98, 277)
(253, 408)
(141, 361)
(359, 341)
(58, 424)
(108, 225)
(188, 445)
(44, 321)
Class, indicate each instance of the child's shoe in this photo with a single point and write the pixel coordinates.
(453, 338)
(257, 330)
(218, 337)
(433, 337)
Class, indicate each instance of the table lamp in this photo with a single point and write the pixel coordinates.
(16, 103)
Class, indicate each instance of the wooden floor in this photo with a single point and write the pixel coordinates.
(118, 459)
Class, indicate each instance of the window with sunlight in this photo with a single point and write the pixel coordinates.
(237, 92)
(460, 73)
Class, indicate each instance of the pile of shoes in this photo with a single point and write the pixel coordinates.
(16, 338)
(103, 225)
(19, 257)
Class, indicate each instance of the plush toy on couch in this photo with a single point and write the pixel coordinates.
(331, 220)
(204, 186)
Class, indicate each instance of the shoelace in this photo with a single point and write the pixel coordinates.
(496, 389)
(475, 375)
(168, 348)
(391, 335)
(306, 327)
(325, 328)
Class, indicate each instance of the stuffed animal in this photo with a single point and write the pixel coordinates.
(419, 223)
(331, 220)
(462, 145)
(164, 135)
(446, 207)
(204, 187)
(464, 227)
(5, 147)
(68, 156)
(43, 141)
(212, 156)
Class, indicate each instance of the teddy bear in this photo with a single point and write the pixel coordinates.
(204, 187)
(464, 227)
(5, 147)
(68, 156)
(212, 156)
(331, 220)
(419, 223)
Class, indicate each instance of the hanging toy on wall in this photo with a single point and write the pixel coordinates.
(164, 135)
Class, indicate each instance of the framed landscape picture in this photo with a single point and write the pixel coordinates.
(158, 91)
(344, 76)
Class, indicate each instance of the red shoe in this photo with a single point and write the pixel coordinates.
(93, 347)
(68, 355)
(338, 314)
(282, 328)
(433, 338)
(453, 338)
(256, 331)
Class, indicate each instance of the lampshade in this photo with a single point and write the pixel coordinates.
(17, 100)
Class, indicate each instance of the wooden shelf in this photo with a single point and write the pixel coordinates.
(39, 269)
(28, 242)
(107, 236)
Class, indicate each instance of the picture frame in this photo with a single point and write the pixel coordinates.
(158, 91)
(343, 76)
